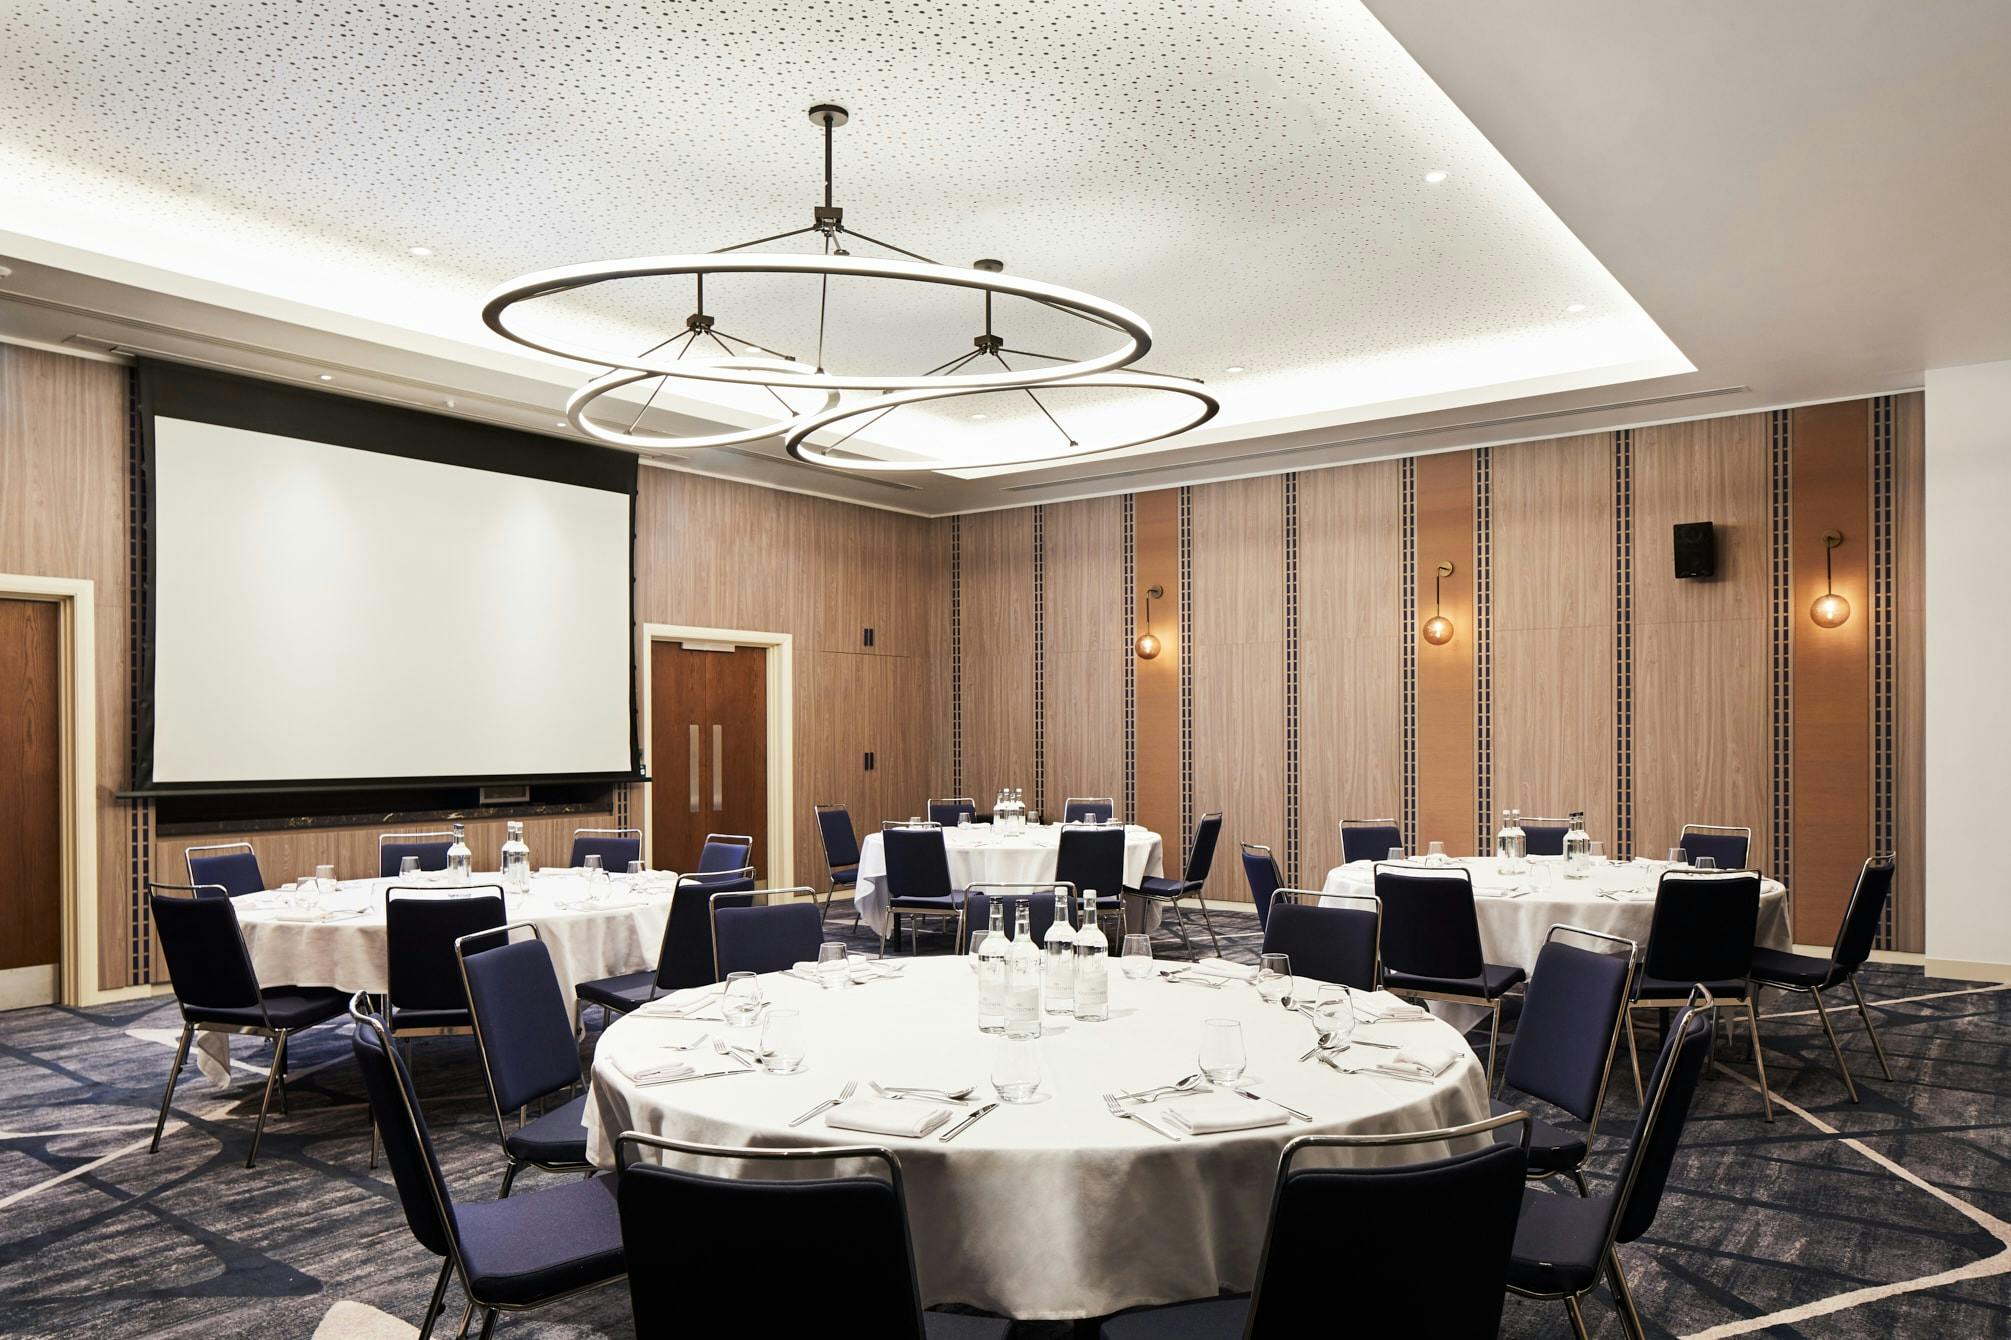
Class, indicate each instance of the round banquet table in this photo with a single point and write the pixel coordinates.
(1051, 1209)
(980, 855)
(1517, 911)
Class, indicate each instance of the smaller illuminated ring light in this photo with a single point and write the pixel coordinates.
(797, 443)
(567, 278)
(583, 400)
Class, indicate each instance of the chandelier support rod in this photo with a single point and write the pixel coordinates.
(889, 246)
(829, 127)
(950, 366)
(773, 237)
(689, 337)
(772, 353)
(1066, 436)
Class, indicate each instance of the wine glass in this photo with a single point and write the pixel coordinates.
(1221, 1056)
(833, 969)
(1334, 1015)
(1137, 957)
(1016, 1069)
(741, 1004)
(1274, 977)
(782, 1045)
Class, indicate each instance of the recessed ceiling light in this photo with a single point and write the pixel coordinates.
(1575, 308)
(560, 424)
(450, 402)
(1234, 368)
(328, 376)
(418, 251)
(980, 416)
(1435, 176)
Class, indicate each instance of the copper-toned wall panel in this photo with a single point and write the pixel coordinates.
(1909, 919)
(292, 853)
(1085, 650)
(1446, 723)
(998, 652)
(1156, 562)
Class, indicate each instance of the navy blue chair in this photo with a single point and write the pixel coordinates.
(1464, 1205)
(1727, 844)
(429, 849)
(1369, 839)
(1563, 1243)
(529, 1054)
(615, 846)
(1701, 935)
(1328, 944)
(841, 853)
(1088, 809)
(1431, 944)
(1260, 871)
(511, 1254)
(423, 995)
(661, 1204)
(685, 956)
(218, 991)
(918, 879)
(231, 864)
(1565, 1042)
(1039, 897)
(1813, 976)
(946, 811)
(725, 854)
(751, 937)
(1544, 837)
(1091, 859)
(1200, 860)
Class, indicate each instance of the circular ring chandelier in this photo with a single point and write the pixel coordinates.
(583, 400)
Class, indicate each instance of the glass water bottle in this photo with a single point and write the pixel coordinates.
(460, 861)
(1577, 848)
(1023, 964)
(516, 859)
(1092, 965)
(991, 956)
(1060, 952)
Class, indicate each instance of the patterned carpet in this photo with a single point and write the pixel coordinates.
(1883, 1220)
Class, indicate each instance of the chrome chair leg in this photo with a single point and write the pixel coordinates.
(1577, 1316)
(1759, 1058)
(1209, 922)
(1865, 1014)
(437, 1301)
(1835, 1047)
(265, 1102)
(1493, 1041)
(1180, 923)
(1634, 1055)
(373, 1144)
(489, 1324)
(467, 1316)
(1577, 1177)
(509, 1176)
(1623, 1297)
(174, 1074)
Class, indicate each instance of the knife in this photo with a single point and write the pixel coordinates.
(958, 1129)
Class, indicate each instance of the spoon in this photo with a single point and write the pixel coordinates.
(1158, 1091)
(957, 1096)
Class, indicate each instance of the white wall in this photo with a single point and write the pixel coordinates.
(1968, 670)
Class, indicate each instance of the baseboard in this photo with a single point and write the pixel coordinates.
(23, 987)
(1962, 970)
(1898, 956)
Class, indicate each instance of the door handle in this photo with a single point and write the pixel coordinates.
(694, 767)
(718, 767)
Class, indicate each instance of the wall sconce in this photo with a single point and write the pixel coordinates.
(1830, 609)
(1438, 628)
(1148, 645)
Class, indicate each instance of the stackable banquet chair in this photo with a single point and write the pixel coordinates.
(529, 1054)
(752, 936)
(1727, 844)
(1200, 860)
(1088, 809)
(1813, 976)
(1091, 859)
(725, 855)
(511, 1255)
(1369, 839)
(1463, 1205)
(1328, 944)
(945, 811)
(1544, 837)
(841, 854)
(430, 849)
(709, 1284)
(1260, 871)
(684, 958)
(218, 990)
(1701, 935)
(1431, 944)
(1565, 1042)
(918, 879)
(976, 913)
(1563, 1243)
(615, 846)
(423, 995)
(232, 864)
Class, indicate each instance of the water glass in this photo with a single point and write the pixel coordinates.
(1334, 1013)
(324, 877)
(1137, 957)
(1394, 854)
(833, 968)
(741, 1004)
(1597, 851)
(1221, 1057)
(1707, 863)
(1677, 856)
(1435, 853)
(963, 818)
(1016, 1069)
(592, 862)
(782, 1044)
(1274, 977)
(637, 868)
(408, 868)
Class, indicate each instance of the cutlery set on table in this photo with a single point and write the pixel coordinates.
(909, 1111)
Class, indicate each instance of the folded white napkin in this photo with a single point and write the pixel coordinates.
(1213, 1113)
(1382, 1008)
(657, 1074)
(1428, 1061)
(885, 1116)
(1219, 967)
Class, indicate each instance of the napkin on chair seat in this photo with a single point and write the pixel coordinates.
(876, 1116)
(1213, 1113)
(1430, 1062)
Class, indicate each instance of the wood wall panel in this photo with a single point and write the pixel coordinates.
(1446, 721)
(1350, 655)
(1909, 902)
(1156, 562)
(1085, 650)
(1553, 628)
(997, 641)
(31, 783)
(291, 853)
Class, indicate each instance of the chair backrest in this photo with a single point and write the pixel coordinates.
(1088, 809)
(1201, 857)
(770, 938)
(1659, 1129)
(1570, 1026)
(945, 811)
(522, 1027)
(1091, 859)
(1727, 844)
(615, 846)
(1465, 1206)
(1703, 926)
(1369, 839)
(207, 961)
(723, 852)
(420, 928)
(1859, 931)
(918, 863)
(1545, 837)
(976, 917)
(231, 864)
(1430, 928)
(686, 958)
(661, 1205)
(841, 844)
(429, 848)
(408, 1146)
(1260, 868)
(1328, 944)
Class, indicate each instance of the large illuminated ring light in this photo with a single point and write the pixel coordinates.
(798, 440)
(582, 400)
(569, 278)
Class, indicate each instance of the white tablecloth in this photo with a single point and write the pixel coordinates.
(1055, 1208)
(1512, 928)
(978, 856)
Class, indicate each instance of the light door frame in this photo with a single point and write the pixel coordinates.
(779, 655)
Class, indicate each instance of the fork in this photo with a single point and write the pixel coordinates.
(1193, 978)
(851, 1087)
(1118, 1109)
(690, 1046)
(922, 1095)
(1372, 1070)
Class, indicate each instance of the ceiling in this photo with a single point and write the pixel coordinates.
(1752, 204)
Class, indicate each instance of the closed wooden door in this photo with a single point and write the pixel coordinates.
(708, 750)
(31, 804)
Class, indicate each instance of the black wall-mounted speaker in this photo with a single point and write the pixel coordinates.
(1696, 549)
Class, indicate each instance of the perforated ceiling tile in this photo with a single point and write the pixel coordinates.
(1251, 177)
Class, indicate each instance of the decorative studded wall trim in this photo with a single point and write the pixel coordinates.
(1292, 840)
(1407, 635)
(1884, 447)
(1186, 668)
(1483, 647)
(1038, 800)
(1623, 644)
(1128, 601)
(139, 632)
(956, 656)
(1780, 607)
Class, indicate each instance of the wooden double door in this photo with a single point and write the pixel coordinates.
(708, 707)
(31, 801)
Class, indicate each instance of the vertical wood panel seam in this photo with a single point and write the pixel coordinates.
(1186, 627)
(956, 656)
(1884, 411)
(1039, 657)
(1125, 604)
(1623, 644)
(1291, 556)
(1483, 645)
(1780, 445)
(1407, 639)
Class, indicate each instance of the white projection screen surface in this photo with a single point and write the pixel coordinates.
(324, 613)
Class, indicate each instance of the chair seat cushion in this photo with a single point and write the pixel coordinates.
(286, 1007)
(1663, 988)
(404, 1019)
(1558, 1239)
(844, 874)
(958, 1326)
(1152, 886)
(1781, 969)
(1495, 979)
(620, 994)
(1551, 1148)
(949, 904)
(559, 1136)
(540, 1244)
(1214, 1319)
